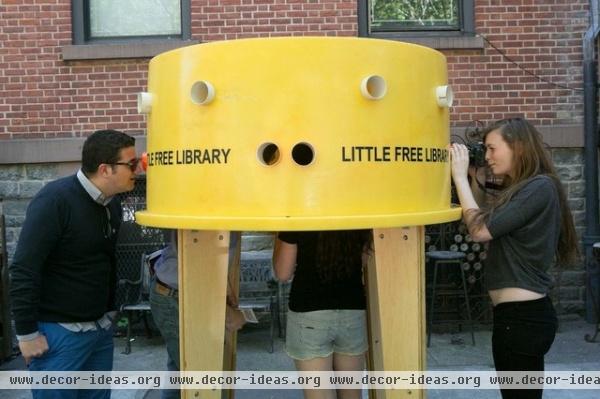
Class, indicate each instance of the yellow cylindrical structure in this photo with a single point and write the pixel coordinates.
(298, 134)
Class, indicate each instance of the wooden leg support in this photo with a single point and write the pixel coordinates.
(396, 296)
(203, 270)
(396, 304)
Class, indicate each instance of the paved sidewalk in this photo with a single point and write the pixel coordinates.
(447, 352)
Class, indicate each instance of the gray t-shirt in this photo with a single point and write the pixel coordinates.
(525, 235)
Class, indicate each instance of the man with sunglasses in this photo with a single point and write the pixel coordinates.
(63, 275)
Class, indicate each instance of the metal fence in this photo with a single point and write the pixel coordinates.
(134, 239)
(454, 236)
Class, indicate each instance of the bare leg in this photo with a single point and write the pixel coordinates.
(348, 363)
(316, 364)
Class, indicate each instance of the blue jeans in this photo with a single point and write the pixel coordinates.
(165, 312)
(74, 351)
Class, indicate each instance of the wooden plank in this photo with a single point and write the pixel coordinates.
(203, 269)
(229, 354)
(396, 304)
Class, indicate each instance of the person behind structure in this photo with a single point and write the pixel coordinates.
(164, 304)
(326, 323)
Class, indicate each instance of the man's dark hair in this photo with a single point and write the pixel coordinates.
(103, 146)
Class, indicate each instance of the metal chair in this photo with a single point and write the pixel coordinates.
(440, 258)
(140, 302)
(258, 288)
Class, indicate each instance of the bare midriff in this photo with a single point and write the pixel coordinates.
(513, 294)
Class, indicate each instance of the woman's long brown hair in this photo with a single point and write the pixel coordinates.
(531, 159)
(340, 253)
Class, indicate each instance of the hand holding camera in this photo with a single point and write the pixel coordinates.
(459, 158)
(476, 154)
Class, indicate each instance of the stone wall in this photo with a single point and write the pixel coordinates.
(18, 184)
(570, 288)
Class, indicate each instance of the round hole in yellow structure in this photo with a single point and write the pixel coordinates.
(373, 87)
(303, 154)
(202, 92)
(268, 154)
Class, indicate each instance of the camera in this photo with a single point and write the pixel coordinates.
(476, 154)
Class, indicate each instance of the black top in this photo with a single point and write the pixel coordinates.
(525, 233)
(64, 268)
(308, 292)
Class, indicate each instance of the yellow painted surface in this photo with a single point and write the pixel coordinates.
(204, 169)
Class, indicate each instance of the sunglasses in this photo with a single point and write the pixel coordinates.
(133, 164)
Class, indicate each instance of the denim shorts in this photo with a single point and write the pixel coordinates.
(323, 332)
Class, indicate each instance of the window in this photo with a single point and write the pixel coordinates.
(397, 15)
(413, 19)
(117, 21)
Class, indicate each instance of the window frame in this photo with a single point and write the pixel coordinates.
(466, 25)
(81, 27)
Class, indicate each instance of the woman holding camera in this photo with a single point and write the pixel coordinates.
(529, 226)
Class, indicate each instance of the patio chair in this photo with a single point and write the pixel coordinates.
(141, 302)
(258, 288)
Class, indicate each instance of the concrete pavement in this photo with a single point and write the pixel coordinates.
(447, 352)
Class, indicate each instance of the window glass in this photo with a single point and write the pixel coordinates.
(118, 18)
(398, 15)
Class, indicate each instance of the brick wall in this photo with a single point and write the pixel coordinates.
(45, 97)
(226, 20)
(545, 37)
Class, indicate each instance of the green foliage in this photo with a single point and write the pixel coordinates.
(415, 12)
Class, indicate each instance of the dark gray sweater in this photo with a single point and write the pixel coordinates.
(525, 235)
(64, 268)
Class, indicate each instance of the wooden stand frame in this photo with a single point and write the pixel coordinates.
(396, 304)
(203, 272)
